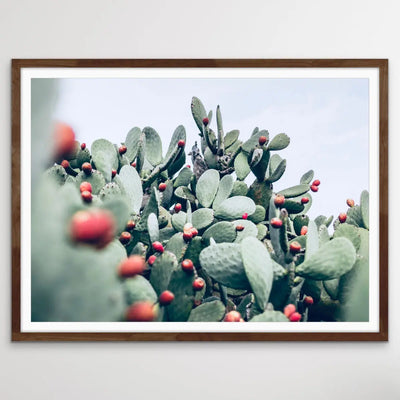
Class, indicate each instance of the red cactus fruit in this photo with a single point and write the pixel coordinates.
(245, 216)
(85, 187)
(151, 259)
(125, 237)
(83, 146)
(93, 227)
(232, 316)
(133, 164)
(308, 300)
(157, 246)
(187, 236)
(276, 222)
(198, 284)
(206, 121)
(86, 196)
(131, 266)
(113, 173)
(314, 188)
(262, 140)
(279, 200)
(342, 217)
(64, 140)
(166, 297)
(130, 225)
(188, 166)
(181, 143)
(295, 317)
(187, 265)
(162, 186)
(316, 182)
(141, 311)
(194, 232)
(239, 228)
(303, 230)
(122, 150)
(304, 200)
(350, 202)
(294, 247)
(289, 310)
(87, 168)
(178, 207)
(65, 164)
(197, 302)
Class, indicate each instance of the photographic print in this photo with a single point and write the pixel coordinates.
(200, 200)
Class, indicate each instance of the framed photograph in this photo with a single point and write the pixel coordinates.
(200, 200)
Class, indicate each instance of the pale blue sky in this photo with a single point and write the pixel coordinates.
(326, 119)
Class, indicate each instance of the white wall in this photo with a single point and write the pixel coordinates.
(209, 29)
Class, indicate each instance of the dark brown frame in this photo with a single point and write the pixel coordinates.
(381, 64)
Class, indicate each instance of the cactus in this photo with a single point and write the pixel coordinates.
(254, 247)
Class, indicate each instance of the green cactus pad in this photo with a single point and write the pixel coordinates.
(96, 179)
(153, 146)
(221, 232)
(230, 138)
(223, 262)
(312, 240)
(274, 233)
(151, 207)
(364, 206)
(224, 190)
(139, 288)
(251, 143)
(152, 227)
(193, 251)
(178, 221)
(331, 261)
(207, 187)
(332, 288)
(258, 267)
(239, 189)
(293, 207)
(119, 207)
(179, 134)
(198, 112)
(212, 311)
(299, 221)
(184, 193)
(177, 245)
(161, 271)
(277, 172)
(241, 165)
(132, 140)
(250, 229)
(58, 174)
(354, 216)
(295, 191)
(261, 193)
(235, 207)
(110, 191)
(82, 156)
(270, 316)
(133, 186)
(104, 157)
(324, 236)
(307, 177)
(180, 285)
(202, 218)
(279, 142)
(261, 231)
(260, 168)
(350, 232)
(258, 215)
(183, 178)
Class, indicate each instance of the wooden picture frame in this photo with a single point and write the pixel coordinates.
(381, 65)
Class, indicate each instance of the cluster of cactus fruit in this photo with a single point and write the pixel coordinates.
(123, 233)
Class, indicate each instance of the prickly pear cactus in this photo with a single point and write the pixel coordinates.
(129, 233)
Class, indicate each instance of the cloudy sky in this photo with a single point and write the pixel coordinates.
(326, 119)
